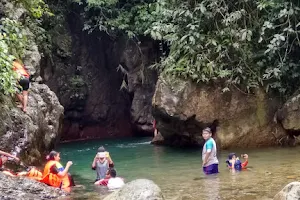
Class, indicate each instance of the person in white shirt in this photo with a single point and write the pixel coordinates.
(114, 182)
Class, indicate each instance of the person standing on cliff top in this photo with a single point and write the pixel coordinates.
(210, 161)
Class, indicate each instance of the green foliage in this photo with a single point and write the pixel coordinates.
(37, 8)
(12, 45)
(243, 43)
(114, 16)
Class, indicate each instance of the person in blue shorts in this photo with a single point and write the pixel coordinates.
(210, 161)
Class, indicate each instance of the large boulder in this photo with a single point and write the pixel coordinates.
(15, 188)
(182, 109)
(140, 189)
(33, 133)
(289, 192)
(289, 114)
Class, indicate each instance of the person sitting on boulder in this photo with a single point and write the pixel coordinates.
(234, 162)
(4, 157)
(23, 80)
(114, 182)
(100, 164)
(110, 162)
(55, 174)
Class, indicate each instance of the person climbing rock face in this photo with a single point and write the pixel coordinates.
(209, 153)
(23, 80)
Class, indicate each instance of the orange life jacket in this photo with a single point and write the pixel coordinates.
(53, 179)
(35, 174)
(17, 67)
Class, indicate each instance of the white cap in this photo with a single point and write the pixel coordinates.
(101, 155)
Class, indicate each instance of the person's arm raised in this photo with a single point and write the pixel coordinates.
(63, 173)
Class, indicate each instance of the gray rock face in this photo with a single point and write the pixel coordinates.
(289, 192)
(33, 133)
(183, 109)
(140, 189)
(289, 114)
(37, 131)
(85, 75)
(15, 188)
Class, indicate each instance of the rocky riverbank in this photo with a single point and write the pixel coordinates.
(16, 188)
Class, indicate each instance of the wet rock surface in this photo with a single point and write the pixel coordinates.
(15, 188)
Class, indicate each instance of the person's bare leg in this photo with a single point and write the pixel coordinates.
(25, 100)
(155, 132)
(20, 98)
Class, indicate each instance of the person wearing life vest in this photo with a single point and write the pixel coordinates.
(233, 162)
(32, 173)
(23, 80)
(55, 174)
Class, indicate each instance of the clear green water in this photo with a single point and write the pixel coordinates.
(178, 172)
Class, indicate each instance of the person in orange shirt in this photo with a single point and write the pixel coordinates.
(23, 80)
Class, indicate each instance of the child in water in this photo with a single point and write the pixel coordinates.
(234, 162)
(210, 161)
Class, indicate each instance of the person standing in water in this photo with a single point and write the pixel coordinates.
(210, 161)
(101, 165)
(23, 80)
(155, 129)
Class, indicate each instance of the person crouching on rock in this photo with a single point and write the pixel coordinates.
(4, 157)
(55, 174)
(234, 162)
(209, 153)
(101, 165)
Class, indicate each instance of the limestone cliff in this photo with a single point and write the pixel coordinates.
(33, 133)
(104, 83)
(183, 109)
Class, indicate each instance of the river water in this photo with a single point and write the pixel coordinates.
(178, 171)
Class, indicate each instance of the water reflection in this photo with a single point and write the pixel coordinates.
(211, 187)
